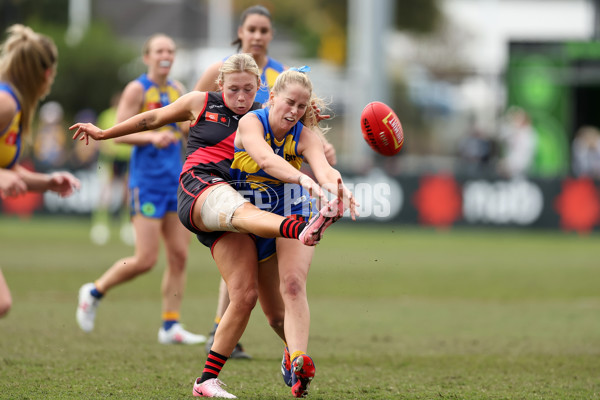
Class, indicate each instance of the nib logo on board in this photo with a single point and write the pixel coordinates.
(578, 205)
(438, 200)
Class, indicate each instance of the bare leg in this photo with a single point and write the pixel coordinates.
(5, 297)
(293, 272)
(247, 218)
(269, 295)
(235, 255)
(177, 239)
(223, 300)
(147, 234)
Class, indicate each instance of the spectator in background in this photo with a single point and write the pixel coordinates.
(518, 141)
(586, 152)
(475, 150)
(50, 140)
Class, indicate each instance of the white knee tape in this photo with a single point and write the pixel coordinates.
(219, 206)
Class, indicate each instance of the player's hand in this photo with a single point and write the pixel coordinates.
(318, 115)
(85, 131)
(163, 139)
(63, 183)
(11, 184)
(313, 188)
(348, 199)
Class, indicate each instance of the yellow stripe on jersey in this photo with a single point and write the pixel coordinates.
(8, 142)
(271, 75)
(243, 162)
(152, 101)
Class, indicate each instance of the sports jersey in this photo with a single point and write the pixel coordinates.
(267, 192)
(210, 139)
(10, 138)
(264, 188)
(245, 170)
(268, 76)
(152, 168)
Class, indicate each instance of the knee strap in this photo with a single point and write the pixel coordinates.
(219, 207)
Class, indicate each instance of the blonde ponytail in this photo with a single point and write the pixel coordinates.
(25, 59)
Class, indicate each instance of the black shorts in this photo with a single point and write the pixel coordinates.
(191, 186)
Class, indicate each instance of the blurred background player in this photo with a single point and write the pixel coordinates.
(254, 34)
(113, 162)
(28, 62)
(586, 152)
(518, 139)
(154, 169)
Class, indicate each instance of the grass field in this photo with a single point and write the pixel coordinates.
(397, 313)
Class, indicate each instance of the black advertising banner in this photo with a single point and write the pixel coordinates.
(438, 200)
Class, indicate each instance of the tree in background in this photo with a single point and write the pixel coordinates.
(321, 26)
(90, 72)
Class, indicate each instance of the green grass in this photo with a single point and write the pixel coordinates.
(397, 313)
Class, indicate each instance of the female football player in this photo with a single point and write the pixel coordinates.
(153, 180)
(212, 209)
(254, 35)
(286, 130)
(28, 62)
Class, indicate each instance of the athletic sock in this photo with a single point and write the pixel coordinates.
(95, 293)
(213, 366)
(170, 318)
(291, 228)
(296, 354)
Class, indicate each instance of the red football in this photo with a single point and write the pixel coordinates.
(381, 128)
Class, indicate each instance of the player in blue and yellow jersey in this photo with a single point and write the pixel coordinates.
(254, 35)
(154, 169)
(266, 191)
(287, 130)
(28, 63)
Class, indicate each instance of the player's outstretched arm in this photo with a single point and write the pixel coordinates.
(249, 136)
(63, 183)
(11, 184)
(328, 177)
(185, 108)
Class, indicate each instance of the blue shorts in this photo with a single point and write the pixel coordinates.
(300, 208)
(151, 204)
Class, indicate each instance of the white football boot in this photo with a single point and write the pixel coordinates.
(211, 388)
(177, 335)
(86, 309)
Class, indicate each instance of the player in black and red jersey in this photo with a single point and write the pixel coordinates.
(210, 207)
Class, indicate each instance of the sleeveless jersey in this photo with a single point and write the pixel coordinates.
(10, 137)
(210, 139)
(247, 174)
(150, 167)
